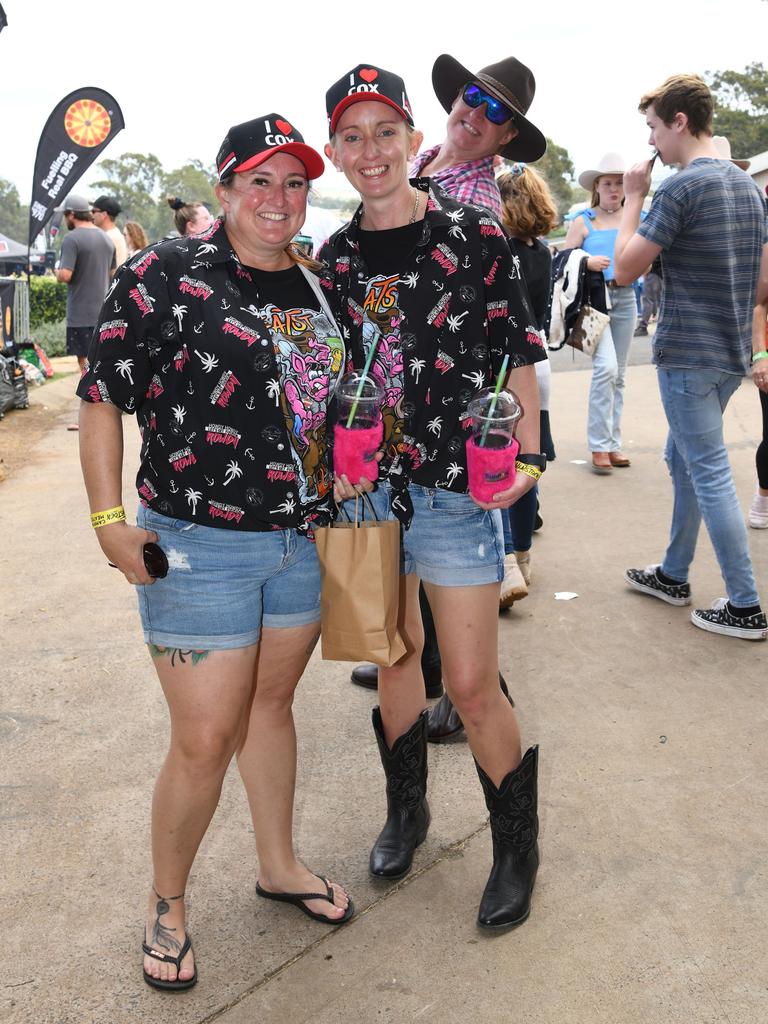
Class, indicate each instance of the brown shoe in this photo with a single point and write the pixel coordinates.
(601, 463)
(619, 460)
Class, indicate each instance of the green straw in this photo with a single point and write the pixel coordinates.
(499, 382)
(361, 385)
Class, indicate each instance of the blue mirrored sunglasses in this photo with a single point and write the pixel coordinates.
(495, 110)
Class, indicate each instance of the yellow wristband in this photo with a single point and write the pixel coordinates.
(110, 515)
(759, 355)
(525, 467)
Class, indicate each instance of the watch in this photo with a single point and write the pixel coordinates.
(539, 461)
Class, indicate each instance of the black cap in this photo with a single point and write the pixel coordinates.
(366, 82)
(108, 205)
(251, 143)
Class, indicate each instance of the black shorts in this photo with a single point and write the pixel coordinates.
(79, 340)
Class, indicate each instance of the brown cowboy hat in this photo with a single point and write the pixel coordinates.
(509, 81)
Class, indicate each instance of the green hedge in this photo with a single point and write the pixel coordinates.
(47, 302)
(52, 338)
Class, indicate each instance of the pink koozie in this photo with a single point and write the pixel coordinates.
(354, 451)
(491, 468)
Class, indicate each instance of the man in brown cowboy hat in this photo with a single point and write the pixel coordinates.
(486, 118)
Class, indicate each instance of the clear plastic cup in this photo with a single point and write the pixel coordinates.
(492, 447)
(356, 440)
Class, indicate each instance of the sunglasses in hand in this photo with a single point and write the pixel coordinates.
(155, 561)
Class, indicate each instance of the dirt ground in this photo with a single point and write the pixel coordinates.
(21, 429)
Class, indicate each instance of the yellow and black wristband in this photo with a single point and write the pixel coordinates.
(110, 515)
(525, 467)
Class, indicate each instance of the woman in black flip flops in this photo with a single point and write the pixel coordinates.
(225, 347)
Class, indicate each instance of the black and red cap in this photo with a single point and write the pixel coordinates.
(251, 143)
(366, 82)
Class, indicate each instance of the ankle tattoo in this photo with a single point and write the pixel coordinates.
(162, 936)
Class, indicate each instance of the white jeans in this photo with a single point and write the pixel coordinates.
(606, 393)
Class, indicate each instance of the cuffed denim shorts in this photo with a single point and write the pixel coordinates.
(223, 585)
(451, 542)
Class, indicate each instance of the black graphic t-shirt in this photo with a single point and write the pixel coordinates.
(229, 371)
(442, 317)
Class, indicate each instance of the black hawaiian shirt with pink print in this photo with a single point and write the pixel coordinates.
(229, 372)
(443, 320)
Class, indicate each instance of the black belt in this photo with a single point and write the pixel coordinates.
(613, 283)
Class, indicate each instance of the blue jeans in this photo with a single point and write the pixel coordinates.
(694, 401)
(606, 392)
(519, 521)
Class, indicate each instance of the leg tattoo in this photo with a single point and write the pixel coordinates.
(175, 652)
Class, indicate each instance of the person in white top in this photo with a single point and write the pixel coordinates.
(105, 210)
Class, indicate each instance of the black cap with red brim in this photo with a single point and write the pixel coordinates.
(363, 83)
(251, 143)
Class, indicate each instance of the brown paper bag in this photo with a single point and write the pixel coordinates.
(359, 590)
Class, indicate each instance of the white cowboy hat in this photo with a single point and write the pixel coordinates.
(611, 163)
(723, 147)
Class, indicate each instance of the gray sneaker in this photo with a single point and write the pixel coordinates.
(718, 619)
(647, 582)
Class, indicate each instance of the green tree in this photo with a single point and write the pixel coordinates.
(741, 108)
(140, 184)
(556, 168)
(134, 179)
(14, 215)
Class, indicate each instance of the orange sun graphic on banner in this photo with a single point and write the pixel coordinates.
(87, 123)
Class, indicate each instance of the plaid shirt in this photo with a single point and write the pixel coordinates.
(472, 182)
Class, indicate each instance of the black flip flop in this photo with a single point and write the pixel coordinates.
(170, 986)
(297, 899)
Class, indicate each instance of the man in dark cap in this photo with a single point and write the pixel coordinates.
(105, 210)
(86, 265)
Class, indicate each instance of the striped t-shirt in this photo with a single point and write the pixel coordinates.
(710, 221)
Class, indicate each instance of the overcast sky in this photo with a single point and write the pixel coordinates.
(184, 72)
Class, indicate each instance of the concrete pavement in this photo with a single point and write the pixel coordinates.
(651, 903)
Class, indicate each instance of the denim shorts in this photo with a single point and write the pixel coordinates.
(223, 585)
(451, 542)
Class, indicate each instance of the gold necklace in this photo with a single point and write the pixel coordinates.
(415, 205)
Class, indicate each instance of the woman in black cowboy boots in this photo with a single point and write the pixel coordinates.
(431, 284)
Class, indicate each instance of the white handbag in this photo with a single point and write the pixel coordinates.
(588, 329)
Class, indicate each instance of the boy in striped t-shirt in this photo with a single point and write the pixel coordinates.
(708, 223)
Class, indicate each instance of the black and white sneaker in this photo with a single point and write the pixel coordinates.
(718, 619)
(647, 581)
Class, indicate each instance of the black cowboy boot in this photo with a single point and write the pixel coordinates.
(405, 767)
(506, 901)
(444, 722)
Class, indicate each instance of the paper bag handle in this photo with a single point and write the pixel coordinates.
(357, 520)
